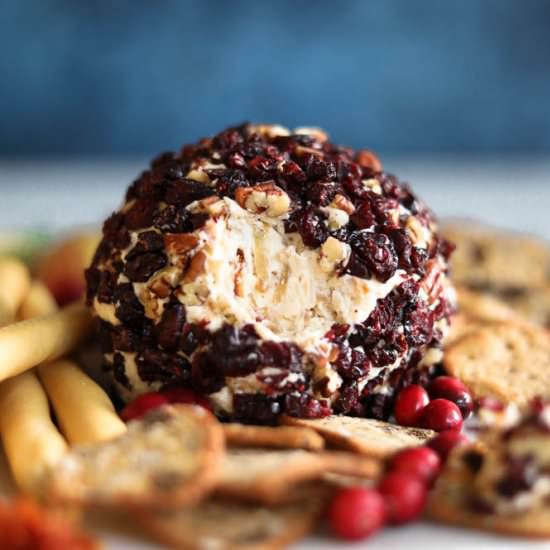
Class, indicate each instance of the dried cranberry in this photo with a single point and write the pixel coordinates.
(129, 309)
(377, 252)
(356, 513)
(256, 408)
(312, 228)
(119, 371)
(292, 172)
(364, 217)
(379, 405)
(140, 214)
(277, 354)
(520, 476)
(169, 328)
(305, 406)
(115, 232)
(229, 181)
(348, 399)
(158, 366)
(351, 363)
(140, 267)
(184, 191)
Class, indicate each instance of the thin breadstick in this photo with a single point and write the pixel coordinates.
(31, 441)
(38, 302)
(28, 343)
(14, 285)
(84, 411)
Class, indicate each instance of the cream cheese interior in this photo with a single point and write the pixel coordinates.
(256, 273)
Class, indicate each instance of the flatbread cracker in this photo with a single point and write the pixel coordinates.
(170, 457)
(279, 437)
(267, 475)
(509, 361)
(366, 436)
(230, 525)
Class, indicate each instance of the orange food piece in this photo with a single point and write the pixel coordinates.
(25, 525)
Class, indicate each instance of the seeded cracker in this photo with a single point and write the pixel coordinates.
(509, 361)
(490, 259)
(281, 437)
(501, 484)
(267, 475)
(170, 457)
(364, 435)
(229, 525)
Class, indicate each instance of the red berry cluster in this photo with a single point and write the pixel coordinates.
(357, 512)
(152, 400)
(442, 406)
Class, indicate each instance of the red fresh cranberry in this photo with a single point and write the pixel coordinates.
(405, 497)
(142, 404)
(421, 462)
(441, 414)
(356, 512)
(409, 403)
(183, 395)
(448, 387)
(444, 442)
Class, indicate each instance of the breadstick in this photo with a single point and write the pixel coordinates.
(31, 441)
(38, 302)
(84, 411)
(14, 285)
(28, 343)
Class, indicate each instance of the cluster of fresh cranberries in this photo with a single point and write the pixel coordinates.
(443, 405)
(357, 512)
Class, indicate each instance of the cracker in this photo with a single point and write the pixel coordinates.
(366, 436)
(509, 361)
(483, 307)
(279, 437)
(491, 259)
(531, 303)
(170, 457)
(267, 475)
(229, 525)
(448, 503)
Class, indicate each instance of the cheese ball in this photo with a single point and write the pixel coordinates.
(275, 273)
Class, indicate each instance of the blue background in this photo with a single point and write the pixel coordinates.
(400, 76)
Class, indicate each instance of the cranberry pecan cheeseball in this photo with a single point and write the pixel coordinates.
(273, 272)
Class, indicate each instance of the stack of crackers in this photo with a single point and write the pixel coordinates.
(193, 482)
(500, 344)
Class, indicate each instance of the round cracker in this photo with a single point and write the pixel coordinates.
(230, 525)
(170, 457)
(507, 360)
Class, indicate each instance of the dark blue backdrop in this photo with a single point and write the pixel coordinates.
(131, 76)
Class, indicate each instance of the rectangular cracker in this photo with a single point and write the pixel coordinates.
(366, 436)
(279, 437)
(268, 475)
(232, 525)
